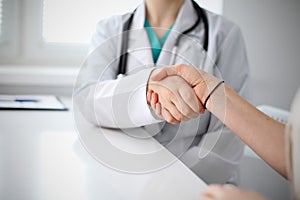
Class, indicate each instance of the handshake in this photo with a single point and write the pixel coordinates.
(180, 92)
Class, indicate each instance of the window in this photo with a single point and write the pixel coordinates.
(57, 32)
(64, 28)
(0, 18)
(9, 32)
(76, 23)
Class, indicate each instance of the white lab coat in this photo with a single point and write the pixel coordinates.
(108, 102)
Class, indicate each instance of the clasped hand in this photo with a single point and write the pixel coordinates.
(176, 93)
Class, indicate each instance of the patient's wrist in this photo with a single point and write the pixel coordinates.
(205, 87)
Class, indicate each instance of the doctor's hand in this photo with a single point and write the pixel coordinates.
(228, 192)
(177, 100)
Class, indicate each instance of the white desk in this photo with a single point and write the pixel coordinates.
(42, 158)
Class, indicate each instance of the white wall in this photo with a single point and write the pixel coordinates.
(271, 30)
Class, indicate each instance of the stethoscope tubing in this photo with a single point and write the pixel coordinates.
(126, 27)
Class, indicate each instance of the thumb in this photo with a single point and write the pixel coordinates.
(164, 72)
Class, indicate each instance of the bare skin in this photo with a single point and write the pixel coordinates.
(177, 97)
(228, 192)
(260, 132)
(162, 14)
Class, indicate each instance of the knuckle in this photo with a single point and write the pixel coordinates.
(190, 96)
(179, 117)
(229, 187)
(181, 66)
(171, 120)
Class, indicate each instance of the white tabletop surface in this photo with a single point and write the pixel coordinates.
(41, 157)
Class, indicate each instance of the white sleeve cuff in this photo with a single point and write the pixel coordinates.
(131, 101)
(138, 109)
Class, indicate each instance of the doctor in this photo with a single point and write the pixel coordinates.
(121, 102)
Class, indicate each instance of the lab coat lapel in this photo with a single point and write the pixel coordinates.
(185, 19)
(139, 50)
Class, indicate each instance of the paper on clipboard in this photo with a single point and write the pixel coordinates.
(31, 102)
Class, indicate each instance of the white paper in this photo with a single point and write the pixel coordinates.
(31, 102)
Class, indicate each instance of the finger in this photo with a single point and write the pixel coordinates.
(156, 97)
(162, 73)
(201, 108)
(204, 197)
(191, 100)
(153, 100)
(173, 110)
(168, 116)
(214, 190)
(183, 107)
(229, 186)
(182, 118)
(158, 110)
(149, 93)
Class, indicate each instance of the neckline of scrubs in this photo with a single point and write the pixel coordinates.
(155, 43)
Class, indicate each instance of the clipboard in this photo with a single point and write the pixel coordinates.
(31, 102)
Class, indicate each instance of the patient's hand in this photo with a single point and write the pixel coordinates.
(173, 98)
(228, 192)
(199, 80)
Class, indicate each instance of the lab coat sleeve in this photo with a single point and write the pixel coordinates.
(215, 159)
(101, 98)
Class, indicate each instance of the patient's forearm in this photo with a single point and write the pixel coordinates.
(263, 134)
(260, 132)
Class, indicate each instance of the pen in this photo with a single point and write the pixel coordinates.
(21, 100)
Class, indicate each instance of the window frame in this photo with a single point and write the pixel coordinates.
(10, 35)
(22, 42)
(37, 50)
(1, 16)
(22, 38)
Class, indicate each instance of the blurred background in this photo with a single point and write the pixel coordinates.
(44, 42)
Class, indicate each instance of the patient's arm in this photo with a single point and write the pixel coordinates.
(228, 192)
(260, 132)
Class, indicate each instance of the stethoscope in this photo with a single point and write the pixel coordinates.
(123, 58)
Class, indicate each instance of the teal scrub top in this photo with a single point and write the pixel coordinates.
(155, 43)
